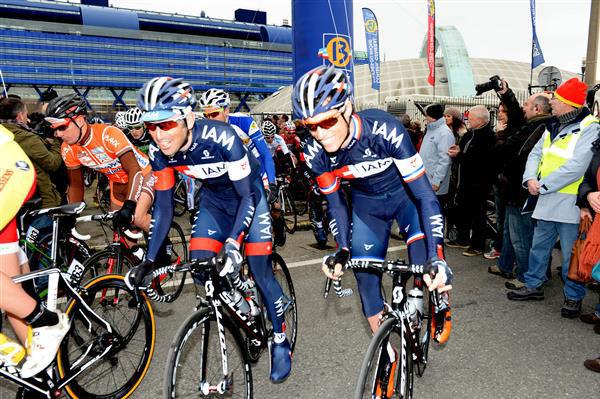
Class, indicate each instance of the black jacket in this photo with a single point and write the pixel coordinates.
(474, 165)
(589, 183)
(511, 156)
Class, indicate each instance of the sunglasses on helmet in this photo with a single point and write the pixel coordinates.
(324, 124)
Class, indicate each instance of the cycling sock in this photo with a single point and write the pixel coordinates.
(279, 337)
(29, 288)
(41, 317)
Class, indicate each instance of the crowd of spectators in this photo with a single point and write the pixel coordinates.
(540, 166)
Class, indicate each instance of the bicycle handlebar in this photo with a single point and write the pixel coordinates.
(395, 266)
(102, 217)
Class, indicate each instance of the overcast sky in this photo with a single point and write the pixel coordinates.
(490, 28)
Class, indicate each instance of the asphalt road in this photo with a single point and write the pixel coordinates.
(498, 348)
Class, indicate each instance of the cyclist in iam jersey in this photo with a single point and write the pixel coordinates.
(233, 205)
(372, 150)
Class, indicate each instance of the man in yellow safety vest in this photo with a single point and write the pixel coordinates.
(554, 170)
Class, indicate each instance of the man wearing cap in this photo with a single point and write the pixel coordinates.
(434, 151)
(554, 170)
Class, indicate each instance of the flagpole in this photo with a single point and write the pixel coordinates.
(3, 85)
(531, 69)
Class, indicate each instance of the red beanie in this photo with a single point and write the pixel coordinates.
(572, 92)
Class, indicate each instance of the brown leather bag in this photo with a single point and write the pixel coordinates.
(575, 272)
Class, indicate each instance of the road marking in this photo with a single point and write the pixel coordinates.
(318, 261)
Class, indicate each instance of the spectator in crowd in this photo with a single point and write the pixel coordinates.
(473, 158)
(44, 154)
(588, 200)
(554, 171)
(510, 117)
(434, 152)
(511, 155)
(454, 120)
(281, 121)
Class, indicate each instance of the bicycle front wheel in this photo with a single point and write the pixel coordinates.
(119, 371)
(387, 369)
(288, 208)
(283, 277)
(172, 283)
(195, 364)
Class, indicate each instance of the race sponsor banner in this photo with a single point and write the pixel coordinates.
(537, 58)
(372, 37)
(431, 42)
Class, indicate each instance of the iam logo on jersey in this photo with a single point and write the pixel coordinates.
(336, 49)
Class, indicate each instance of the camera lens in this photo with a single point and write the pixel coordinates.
(483, 87)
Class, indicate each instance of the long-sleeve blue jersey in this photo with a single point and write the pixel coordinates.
(379, 143)
(254, 140)
(216, 156)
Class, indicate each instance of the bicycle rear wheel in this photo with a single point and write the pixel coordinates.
(119, 372)
(290, 216)
(172, 283)
(112, 259)
(195, 363)
(283, 277)
(380, 377)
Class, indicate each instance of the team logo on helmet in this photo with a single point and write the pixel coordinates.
(22, 165)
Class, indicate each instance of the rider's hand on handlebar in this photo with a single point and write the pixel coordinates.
(443, 277)
(272, 193)
(137, 276)
(124, 216)
(230, 258)
(333, 265)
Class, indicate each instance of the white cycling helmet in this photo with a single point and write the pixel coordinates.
(289, 127)
(133, 117)
(214, 98)
(268, 128)
(120, 120)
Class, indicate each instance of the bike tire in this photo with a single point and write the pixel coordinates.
(289, 214)
(283, 277)
(194, 347)
(98, 264)
(180, 198)
(172, 283)
(425, 332)
(375, 369)
(119, 372)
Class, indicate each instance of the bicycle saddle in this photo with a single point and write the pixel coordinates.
(71, 209)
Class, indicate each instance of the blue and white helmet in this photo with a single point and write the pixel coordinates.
(163, 98)
(320, 90)
(214, 98)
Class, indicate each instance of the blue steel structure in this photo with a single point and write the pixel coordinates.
(45, 43)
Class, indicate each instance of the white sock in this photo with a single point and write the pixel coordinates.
(279, 338)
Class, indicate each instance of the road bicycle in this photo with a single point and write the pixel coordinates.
(401, 344)
(120, 256)
(110, 343)
(286, 203)
(212, 352)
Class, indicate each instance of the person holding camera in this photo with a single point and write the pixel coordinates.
(554, 170)
(44, 154)
(511, 155)
(473, 156)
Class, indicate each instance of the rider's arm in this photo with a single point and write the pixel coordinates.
(329, 185)
(134, 174)
(76, 187)
(411, 168)
(261, 146)
(239, 172)
(162, 215)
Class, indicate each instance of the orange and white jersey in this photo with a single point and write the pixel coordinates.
(101, 152)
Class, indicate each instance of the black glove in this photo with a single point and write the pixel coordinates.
(272, 197)
(229, 259)
(342, 257)
(440, 266)
(124, 216)
(140, 275)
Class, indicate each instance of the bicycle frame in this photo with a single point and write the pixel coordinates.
(49, 387)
